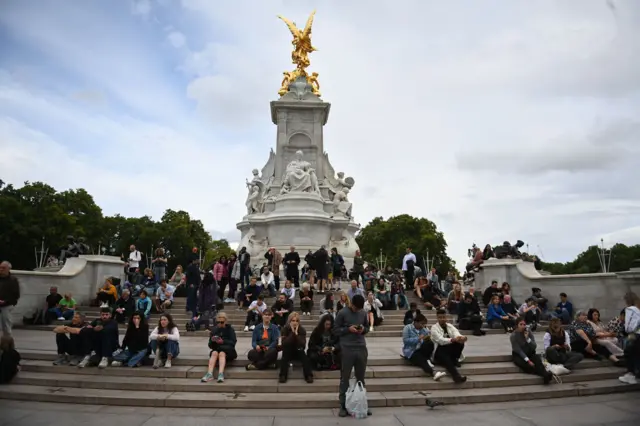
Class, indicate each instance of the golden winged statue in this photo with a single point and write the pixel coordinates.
(300, 54)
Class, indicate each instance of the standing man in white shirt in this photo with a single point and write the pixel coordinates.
(408, 265)
(134, 260)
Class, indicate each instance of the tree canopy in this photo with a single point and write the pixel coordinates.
(393, 236)
(587, 262)
(36, 211)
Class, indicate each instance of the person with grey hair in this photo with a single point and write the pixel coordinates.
(583, 340)
(125, 307)
(9, 296)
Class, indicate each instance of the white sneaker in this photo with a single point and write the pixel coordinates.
(84, 361)
(439, 375)
(167, 364)
(158, 361)
(103, 362)
(246, 328)
(629, 379)
(61, 319)
(252, 327)
(116, 364)
(371, 329)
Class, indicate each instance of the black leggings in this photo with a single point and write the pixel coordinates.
(538, 367)
(422, 355)
(581, 345)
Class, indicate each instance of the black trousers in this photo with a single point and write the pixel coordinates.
(293, 353)
(102, 342)
(422, 355)
(632, 355)
(561, 356)
(472, 322)
(280, 320)
(263, 359)
(73, 345)
(252, 318)
(306, 305)
(537, 369)
(408, 279)
(324, 361)
(532, 316)
(581, 345)
(353, 358)
(106, 297)
(448, 355)
(293, 275)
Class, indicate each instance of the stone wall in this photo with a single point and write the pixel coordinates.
(80, 276)
(602, 291)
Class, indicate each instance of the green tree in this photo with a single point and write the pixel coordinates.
(214, 250)
(394, 235)
(588, 262)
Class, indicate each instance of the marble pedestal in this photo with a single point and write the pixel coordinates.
(303, 220)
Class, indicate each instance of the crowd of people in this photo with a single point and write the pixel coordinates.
(338, 340)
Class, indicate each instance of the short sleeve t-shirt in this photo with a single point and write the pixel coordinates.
(69, 304)
(170, 289)
(254, 305)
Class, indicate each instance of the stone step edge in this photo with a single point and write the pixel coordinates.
(315, 400)
(263, 385)
(193, 360)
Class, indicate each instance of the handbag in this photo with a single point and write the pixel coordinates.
(356, 400)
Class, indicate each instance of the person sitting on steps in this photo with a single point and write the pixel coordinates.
(411, 314)
(72, 349)
(448, 346)
(222, 342)
(254, 313)
(164, 296)
(165, 341)
(324, 346)
(102, 337)
(306, 299)
(557, 346)
(417, 346)
(469, 316)
(523, 352)
(281, 310)
(530, 312)
(125, 307)
(264, 344)
(497, 317)
(294, 341)
(135, 344)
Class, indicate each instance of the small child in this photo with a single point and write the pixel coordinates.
(9, 359)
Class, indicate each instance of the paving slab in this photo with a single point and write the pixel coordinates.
(586, 415)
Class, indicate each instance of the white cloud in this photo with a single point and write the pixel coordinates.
(141, 7)
(497, 120)
(177, 39)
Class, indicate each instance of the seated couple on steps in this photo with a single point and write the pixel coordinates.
(443, 344)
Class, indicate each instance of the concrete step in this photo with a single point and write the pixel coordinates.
(235, 371)
(274, 398)
(254, 384)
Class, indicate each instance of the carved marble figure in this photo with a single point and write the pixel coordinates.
(255, 199)
(299, 176)
(341, 204)
(335, 184)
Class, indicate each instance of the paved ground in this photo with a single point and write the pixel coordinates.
(609, 410)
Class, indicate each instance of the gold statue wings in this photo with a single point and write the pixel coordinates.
(301, 41)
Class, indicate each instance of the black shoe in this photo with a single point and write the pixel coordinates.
(547, 378)
(343, 412)
(369, 413)
(309, 379)
(483, 333)
(283, 379)
(620, 363)
(460, 379)
(457, 364)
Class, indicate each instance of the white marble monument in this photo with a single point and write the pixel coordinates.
(298, 199)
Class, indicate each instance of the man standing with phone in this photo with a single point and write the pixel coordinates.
(350, 326)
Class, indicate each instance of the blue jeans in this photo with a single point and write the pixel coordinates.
(131, 358)
(67, 315)
(564, 316)
(271, 288)
(401, 297)
(166, 347)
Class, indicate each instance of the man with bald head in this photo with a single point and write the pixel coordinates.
(291, 261)
(9, 295)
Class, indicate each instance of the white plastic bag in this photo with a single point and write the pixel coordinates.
(356, 400)
(558, 370)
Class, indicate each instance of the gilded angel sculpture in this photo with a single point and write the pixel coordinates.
(301, 42)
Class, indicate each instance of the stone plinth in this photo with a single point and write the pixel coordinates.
(80, 276)
(602, 291)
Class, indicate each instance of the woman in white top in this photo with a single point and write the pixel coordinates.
(268, 281)
(372, 308)
(632, 347)
(164, 341)
(288, 290)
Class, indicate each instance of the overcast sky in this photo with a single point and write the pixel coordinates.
(495, 119)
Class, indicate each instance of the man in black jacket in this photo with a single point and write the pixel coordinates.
(244, 258)
(291, 262)
(321, 260)
(9, 295)
(281, 310)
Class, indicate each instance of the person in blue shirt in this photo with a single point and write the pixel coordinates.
(264, 343)
(417, 346)
(497, 317)
(563, 310)
(144, 304)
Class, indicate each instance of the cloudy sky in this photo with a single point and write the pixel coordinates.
(495, 119)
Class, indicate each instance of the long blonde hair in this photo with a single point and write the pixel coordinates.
(292, 315)
(346, 301)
